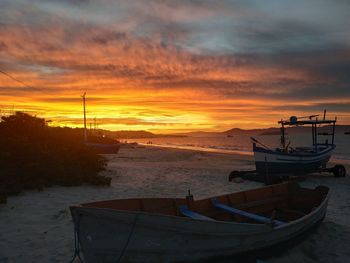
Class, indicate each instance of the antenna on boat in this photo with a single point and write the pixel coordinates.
(85, 134)
(324, 114)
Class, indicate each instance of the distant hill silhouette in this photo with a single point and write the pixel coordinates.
(135, 134)
(263, 131)
(276, 130)
(237, 131)
(231, 132)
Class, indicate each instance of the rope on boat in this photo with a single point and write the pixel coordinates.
(76, 241)
(263, 145)
(129, 237)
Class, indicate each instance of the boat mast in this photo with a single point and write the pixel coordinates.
(85, 134)
(333, 130)
(316, 134)
(283, 139)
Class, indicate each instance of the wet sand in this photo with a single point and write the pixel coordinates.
(37, 226)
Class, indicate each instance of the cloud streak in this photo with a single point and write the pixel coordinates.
(198, 61)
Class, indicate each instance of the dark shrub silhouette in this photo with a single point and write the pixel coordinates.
(34, 155)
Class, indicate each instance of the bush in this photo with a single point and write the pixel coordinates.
(34, 155)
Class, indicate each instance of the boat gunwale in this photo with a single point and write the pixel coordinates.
(264, 227)
(328, 149)
(270, 226)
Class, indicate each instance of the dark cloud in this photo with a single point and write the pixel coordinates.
(248, 50)
(105, 38)
(76, 99)
(71, 2)
(315, 107)
(111, 121)
(286, 35)
(3, 46)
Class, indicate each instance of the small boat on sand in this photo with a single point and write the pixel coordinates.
(288, 160)
(149, 230)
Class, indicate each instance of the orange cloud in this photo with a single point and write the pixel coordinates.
(144, 74)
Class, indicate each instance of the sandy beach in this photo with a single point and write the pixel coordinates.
(37, 226)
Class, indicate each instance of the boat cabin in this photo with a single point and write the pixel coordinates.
(315, 125)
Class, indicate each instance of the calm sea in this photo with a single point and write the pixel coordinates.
(242, 143)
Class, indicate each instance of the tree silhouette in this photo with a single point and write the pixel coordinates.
(34, 155)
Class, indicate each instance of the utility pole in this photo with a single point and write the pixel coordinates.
(95, 124)
(85, 134)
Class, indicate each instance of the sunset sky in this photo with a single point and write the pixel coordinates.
(170, 66)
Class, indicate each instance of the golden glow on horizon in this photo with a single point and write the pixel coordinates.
(148, 86)
(160, 111)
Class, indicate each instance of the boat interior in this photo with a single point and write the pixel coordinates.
(274, 204)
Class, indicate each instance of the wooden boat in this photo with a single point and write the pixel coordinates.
(298, 160)
(302, 160)
(183, 230)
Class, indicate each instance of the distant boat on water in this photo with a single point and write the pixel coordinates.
(145, 230)
(347, 133)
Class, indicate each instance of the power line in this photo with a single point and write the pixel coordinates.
(17, 80)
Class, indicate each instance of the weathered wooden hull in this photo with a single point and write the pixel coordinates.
(108, 235)
(273, 162)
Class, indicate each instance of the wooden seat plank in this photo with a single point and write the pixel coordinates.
(236, 211)
(194, 215)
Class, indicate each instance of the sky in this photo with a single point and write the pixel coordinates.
(175, 66)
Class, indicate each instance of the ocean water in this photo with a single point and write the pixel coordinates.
(242, 143)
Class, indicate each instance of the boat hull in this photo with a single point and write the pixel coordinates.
(273, 162)
(108, 235)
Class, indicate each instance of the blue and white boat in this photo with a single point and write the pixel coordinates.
(287, 160)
